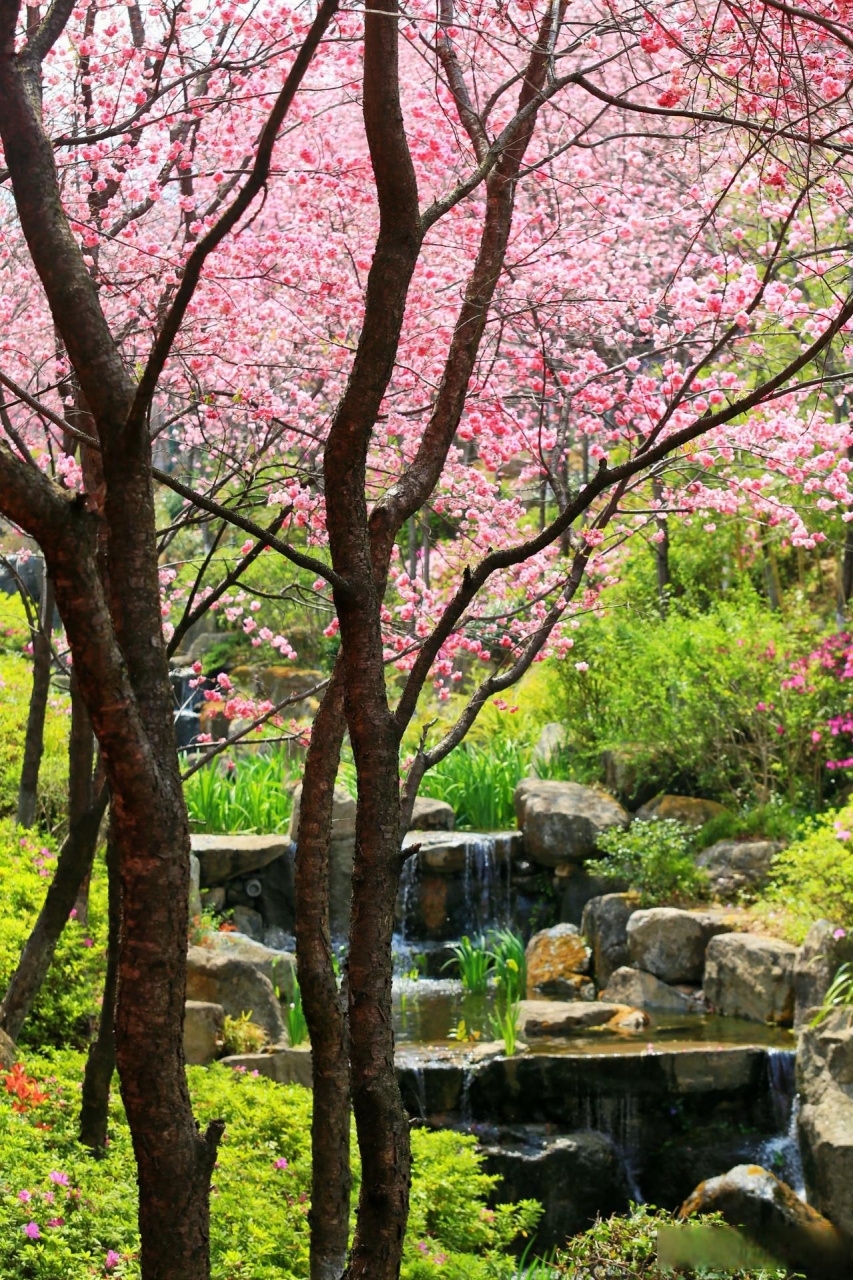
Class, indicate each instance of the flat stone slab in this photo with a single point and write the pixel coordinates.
(223, 858)
(565, 1017)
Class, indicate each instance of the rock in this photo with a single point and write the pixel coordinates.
(343, 814)
(195, 887)
(562, 821)
(223, 857)
(453, 853)
(551, 744)
(670, 942)
(750, 976)
(214, 899)
(575, 887)
(644, 991)
(204, 1023)
(605, 927)
(278, 966)
(690, 810)
(774, 1217)
(555, 959)
(738, 866)
(825, 1084)
(625, 768)
(817, 963)
(564, 1018)
(631, 1023)
(249, 922)
(285, 1066)
(8, 1051)
(236, 984)
(575, 1178)
(432, 815)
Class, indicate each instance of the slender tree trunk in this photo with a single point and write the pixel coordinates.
(73, 864)
(34, 739)
(81, 781)
(662, 552)
(100, 1064)
(321, 1000)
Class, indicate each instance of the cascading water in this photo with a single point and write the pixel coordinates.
(487, 885)
(781, 1153)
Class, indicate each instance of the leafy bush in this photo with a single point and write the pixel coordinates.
(627, 1246)
(655, 860)
(813, 878)
(242, 1035)
(259, 1206)
(479, 780)
(772, 821)
(250, 795)
(67, 1003)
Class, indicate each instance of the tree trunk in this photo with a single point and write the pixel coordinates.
(81, 782)
(73, 864)
(100, 1064)
(662, 552)
(322, 1002)
(34, 739)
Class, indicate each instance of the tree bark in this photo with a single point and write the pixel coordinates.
(34, 738)
(100, 1063)
(322, 1002)
(81, 781)
(662, 553)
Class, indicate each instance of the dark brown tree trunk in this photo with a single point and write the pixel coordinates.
(662, 552)
(323, 1003)
(100, 1063)
(81, 781)
(34, 738)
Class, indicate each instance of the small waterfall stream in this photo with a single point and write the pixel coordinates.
(781, 1153)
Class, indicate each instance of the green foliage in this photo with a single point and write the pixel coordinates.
(259, 1204)
(504, 1023)
(839, 995)
(510, 963)
(249, 795)
(627, 1246)
(479, 780)
(16, 678)
(242, 1035)
(67, 1003)
(473, 961)
(654, 859)
(297, 1027)
(772, 821)
(813, 878)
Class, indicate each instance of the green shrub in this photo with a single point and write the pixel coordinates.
(813, 878)
(772, 821)
(259, 1206)
(250, 795)
(654, 859)
(66, 1006)
(242, 1035)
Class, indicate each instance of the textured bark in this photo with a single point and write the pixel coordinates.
(81, 780)
(322, 1002)
(664, 578)
(100, 1063)
(34, 738)
(73, 864)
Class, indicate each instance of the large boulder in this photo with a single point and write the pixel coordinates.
(575, 1178)
(670, 942)
(691, 810)
(645, 991)
(775, 1218)
(737, 867)
(204, 1024)
(575, 886)
(825, 949)
(290, 1065)
(248, 921)
(432, 815)
(556, 958)
(565, 1018)
(825, 1085)
(604, 924)
(750, 976)
(221, 858)
(278, 966)
(562, 821)
(237, 985)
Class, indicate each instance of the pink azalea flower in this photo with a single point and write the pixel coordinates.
(25, 1196)
(56, 1222)
(31, 1231)
(112, 1260)
(61, 1178)
(280, 1163)
(840, 933)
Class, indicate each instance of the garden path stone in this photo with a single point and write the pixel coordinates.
(204, 1024)
(751, 976)
(562, 821)
(670, 942)
(221, 858)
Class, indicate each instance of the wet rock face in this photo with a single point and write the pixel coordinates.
(204, 1023)
(605, 927)
(562, 821)
(236, 985)
(737, 867)
(774, 1217)
(556, 959)
(752, 977)
(691, 810)
(575, 1178)
(825, 1083)
(670, 943)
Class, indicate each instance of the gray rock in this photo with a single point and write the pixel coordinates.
(195, 886)
(644, 991)
(278, 966)
(562, 821)
(575, 1178)
(575, 887)
(736, 867)
(750, 976)
(204, 1023)
(564, 1018)
(224, 857)
(248, 922)
(218, 978)
(670, 942)
(817, 963)
(285, 1066)
(775, 1219)
(825, 1084)
(691, 810)
(449, 853)
(432, 815)
(605, 926)
(343, 814)
(214, 899)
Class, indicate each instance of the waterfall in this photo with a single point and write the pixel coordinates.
(487, 885)
(781, 1153)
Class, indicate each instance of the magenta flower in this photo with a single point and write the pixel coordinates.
(280, 1163)
(840, 933)
(112, 1260)
(56, 1222)
(61, 1178)
(87, 942)
(31, 1230)
(24, 1196)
